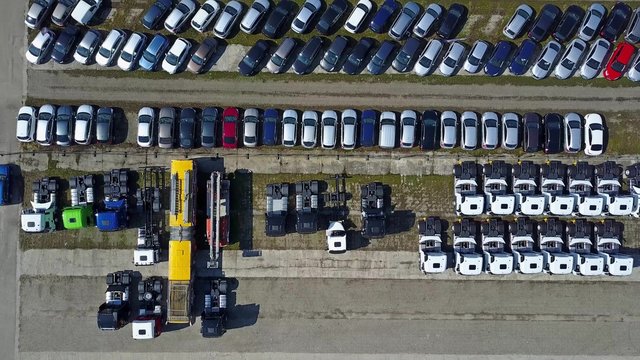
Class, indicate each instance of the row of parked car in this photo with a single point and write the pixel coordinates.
(82, 11)
(575, 20)
(406, 19)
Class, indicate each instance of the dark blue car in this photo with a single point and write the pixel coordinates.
(5, 185)
(381, 19)
(156, 13)
(270, 127)
(368, 128)
(153, 53)
(524, 57)
(496, 64)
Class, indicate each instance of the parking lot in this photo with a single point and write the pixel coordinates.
(306, 315)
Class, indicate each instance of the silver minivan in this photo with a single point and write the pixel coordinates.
(281, 56)
(387, 137)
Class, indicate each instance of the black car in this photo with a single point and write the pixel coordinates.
(616, 21)
(531, 132)
(156, 13)
(429, 133)
(569, 23)
(453, 22)
(408, 55)
(307, 55)
(209, 127)
(380, 59)
(64, 43)
(553, 133)
(331, 16)
(187, 128)
(277, 19)
(545, 23)
(353, 65)
(334, 53)
(250, 63)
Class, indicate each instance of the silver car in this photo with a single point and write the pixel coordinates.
(490, 129)
(633, 73)
(404, 21)
(329, 129)
(571, 59)
(477, 56)
(280, 57)
(451, 62)
(408, 126)
(595, 59)
(469, 130)
(309, 129)
(518, 22)
(428, 61)
(431, 16)
(632, 35)
(349, 131)
(254, 15)
(448, 127)
(592, 21)
(307, 12)
(228, 18)
(572, 133)
(510, 131)
(251, 122)
(166, 127)
(45, 122)
(289, 128)
(64, 126)
(387, 133)
(546, 60)
(87, 47)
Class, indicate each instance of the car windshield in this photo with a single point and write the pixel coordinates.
(182, 8)
(354, 59)
(449, 122)
(126, 56)
(143, 139)
(596, 127)
(105, 52)
(511, 124)
(403, 58)
(149, 56)
(197, 60)
(231, 11)
(309, 122)
(568, 63)
(377, 61)
(247, 60)
(103, 118)
(304, 59)
(44, 116)
(143, 119)
(387, 121)
(426, 62)
(593, 63)
(369, 121)
(229, 140)
(617, 66)
(408, 121)
(495, 61)
(208, 8)
(34, 50)
(469, 123)
(331, 57)
(473, 60)
(24, 117)
(588, 31)
(59, 47)
(258, 6)
(450, 62)
(276, 59)
(329, 121)
(523, 14)
(408, 12)
(491, 123)
(298, 23)
(171, 58)
(82, 51)
(349, 121)
(574, 124)
(230, 119)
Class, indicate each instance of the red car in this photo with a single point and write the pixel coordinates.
(617, 65)
(230, 118)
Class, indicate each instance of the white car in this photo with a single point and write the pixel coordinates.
(305, 15)
(510, 131)
(592, 20)
(633, 73)
(477, 57)
(289, 128)
(428, 61)
(87, 47)
(349, 131)
(176, 55)
(85, 10)
(329, 129)
(254, 15)
(146, 121)
(309, 129)
(179, 16)
(429, 19)
(203, 17)
(408, 126)
(132, 51)
(448, 129)
(387, 135)
(251, 122)
(469, 130)
(110, 47)
(229, 17)
(451, 60)
(358, 15)
(490, 128)
(37, 12)
(593, 134)
(83, 125)
(26, 124)
(40, 46)
(595, 59)
(520, 19)
(546, 60)
(571, 59)
(46, 120)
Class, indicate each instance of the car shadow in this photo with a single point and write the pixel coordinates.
(16, 181)
(103, 13)
(120, 126)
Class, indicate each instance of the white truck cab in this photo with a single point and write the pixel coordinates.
(496, 190)
(550, 242)
(336, 238)
(432, 259)
(581, 188)
(632, 174)
(467, 260)
(526, 260)
(41, 216)
(608, 185)
(469, 200)
(497, 261)
(529, 201)
(579, 243)
(608, 235)
(553, 187)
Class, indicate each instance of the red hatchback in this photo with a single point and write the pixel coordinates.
(230, 118)
(619, 61)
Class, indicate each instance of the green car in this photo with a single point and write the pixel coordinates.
(77, 217)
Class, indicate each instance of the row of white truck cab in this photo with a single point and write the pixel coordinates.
(552, 188)
(498, 247)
